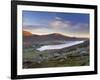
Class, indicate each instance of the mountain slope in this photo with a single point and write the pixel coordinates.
(27, 33)
(49, 37)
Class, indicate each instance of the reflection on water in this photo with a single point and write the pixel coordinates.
(59, 46)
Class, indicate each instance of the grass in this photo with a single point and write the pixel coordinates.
(73, 57)
(72, 60)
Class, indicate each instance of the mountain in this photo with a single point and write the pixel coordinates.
(49, 37)
(27, 33)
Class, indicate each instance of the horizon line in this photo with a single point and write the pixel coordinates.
(56, 33)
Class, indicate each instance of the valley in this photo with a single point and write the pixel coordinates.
(75, 55)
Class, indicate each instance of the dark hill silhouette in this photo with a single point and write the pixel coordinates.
(27, 33)
(49, 37)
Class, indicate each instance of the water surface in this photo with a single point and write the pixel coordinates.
(59, 46)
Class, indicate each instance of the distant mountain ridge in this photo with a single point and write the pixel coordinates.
(27, 33)
(49, 37)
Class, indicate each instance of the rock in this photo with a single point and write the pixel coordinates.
(38, 59)
(61, 60)
(56, 54)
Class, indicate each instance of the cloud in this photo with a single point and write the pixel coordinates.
(58, 18)
(29, 27)
(35, 26)
(58, 24)
(80, 27)
(69, 26)
(61, 26)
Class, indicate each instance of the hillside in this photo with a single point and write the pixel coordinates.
(27, 33)
(50, 37)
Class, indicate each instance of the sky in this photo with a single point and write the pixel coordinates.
(69, 24)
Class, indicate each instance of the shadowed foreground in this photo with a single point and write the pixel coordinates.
(77, 55)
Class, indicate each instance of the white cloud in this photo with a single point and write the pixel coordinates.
(58, 18)
(69, 27)
(58, 24)
(61, 26)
